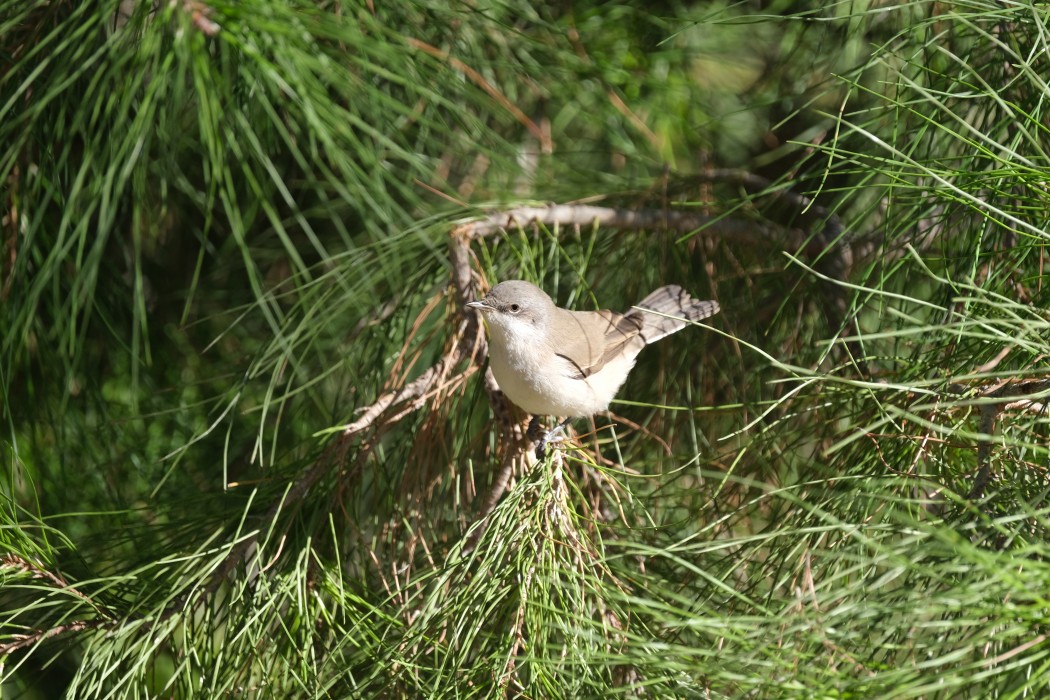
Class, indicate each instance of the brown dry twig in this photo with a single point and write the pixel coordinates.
(34, 570)
(619, 219)
(21, 641)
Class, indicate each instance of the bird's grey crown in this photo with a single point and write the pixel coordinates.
(517, 297)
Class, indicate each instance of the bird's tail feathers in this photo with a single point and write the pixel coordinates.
(673, 308)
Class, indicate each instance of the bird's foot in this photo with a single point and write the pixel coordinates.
(534, 432)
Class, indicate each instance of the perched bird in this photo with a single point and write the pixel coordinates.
(551, 361)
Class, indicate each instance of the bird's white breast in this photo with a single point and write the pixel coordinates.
(537, 380)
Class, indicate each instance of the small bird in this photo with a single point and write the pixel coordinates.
(551, 361)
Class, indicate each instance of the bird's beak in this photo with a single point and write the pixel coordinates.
(479, 305)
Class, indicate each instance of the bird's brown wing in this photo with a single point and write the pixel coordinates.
(595, 337)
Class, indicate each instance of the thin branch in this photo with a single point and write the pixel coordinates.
(468, 344)
(1020, 649)
(415, 391)
(620, 219)
(21, 641)
(36, 571)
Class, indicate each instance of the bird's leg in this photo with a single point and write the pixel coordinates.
(541, 446)
(534, 432)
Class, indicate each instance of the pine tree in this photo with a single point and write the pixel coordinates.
(249, 446)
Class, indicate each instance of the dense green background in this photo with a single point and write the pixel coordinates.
(225, 233)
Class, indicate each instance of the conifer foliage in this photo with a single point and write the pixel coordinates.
(248, 446)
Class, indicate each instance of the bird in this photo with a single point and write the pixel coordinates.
(551, 361)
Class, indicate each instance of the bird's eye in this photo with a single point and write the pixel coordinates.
(515, 308)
